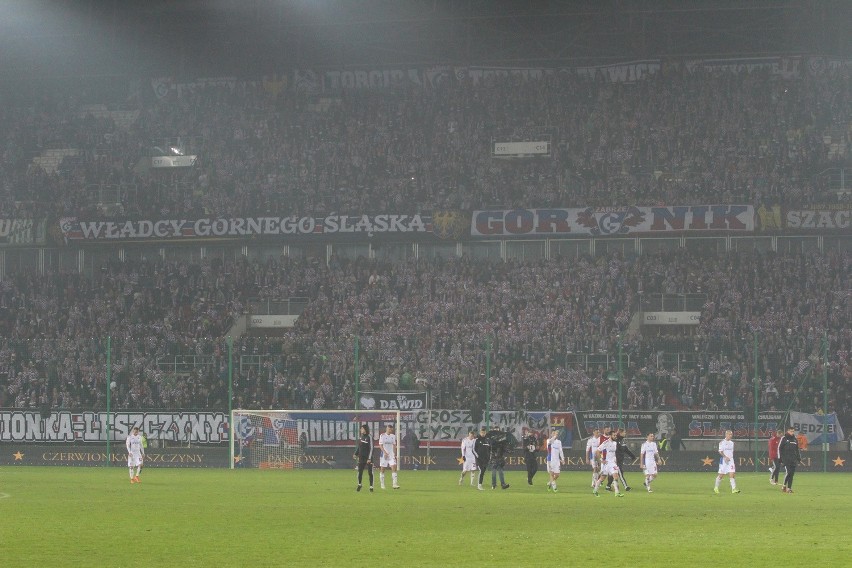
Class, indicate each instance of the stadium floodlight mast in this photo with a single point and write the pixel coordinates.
(618, 376)
(109, 385)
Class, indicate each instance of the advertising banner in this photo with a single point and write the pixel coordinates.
(96, 456)
(416, 459)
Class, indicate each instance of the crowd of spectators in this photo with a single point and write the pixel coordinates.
(671, 138)
(547, 331)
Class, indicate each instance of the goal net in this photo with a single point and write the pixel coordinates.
(294, 439)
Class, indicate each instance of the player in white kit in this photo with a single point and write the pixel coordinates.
(650, 458)
(468, 457)
(555, 459)
(387, 445)
(726, 462)
(135, 454)
(591, 458)
(609, 465)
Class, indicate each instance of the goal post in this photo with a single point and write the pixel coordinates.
(297, 439)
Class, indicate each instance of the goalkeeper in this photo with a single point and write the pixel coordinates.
(364, 455)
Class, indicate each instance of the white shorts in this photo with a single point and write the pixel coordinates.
(554, 467)
(134, 460)
(650, 467)
(726, 467)
(469, 465)
(609, 469)
(387, 462)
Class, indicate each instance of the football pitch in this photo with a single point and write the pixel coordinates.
(95, 517)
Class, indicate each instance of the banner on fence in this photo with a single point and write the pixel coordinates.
(687, 425)
(612, 221)
(75, 230)
(373, 400)
(817, 428)
(64, 426)
(96, 456)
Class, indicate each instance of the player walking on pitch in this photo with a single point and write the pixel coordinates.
(591, 453)
(650, 459)
(556, 459)
(609, 464)
(726, 462)
(775, 468)
(387, 444)
(135, 454)
(468, 458)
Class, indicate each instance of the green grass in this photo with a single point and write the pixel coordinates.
(94, 517)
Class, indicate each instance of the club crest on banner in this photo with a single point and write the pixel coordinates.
(610, 222)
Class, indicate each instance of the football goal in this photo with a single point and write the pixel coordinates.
(291, 439)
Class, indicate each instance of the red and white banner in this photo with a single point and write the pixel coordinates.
(611, 221)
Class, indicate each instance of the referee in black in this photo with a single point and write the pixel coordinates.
(530, 456)
(788, 451)
(364, 455)
(482, 450)
(620, 450)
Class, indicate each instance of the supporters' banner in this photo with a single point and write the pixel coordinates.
(22, 231)
(75, 230)
(315, 81)
(64, 426)
(839, 217)
(446, 428)
(611, 221)
(166, 86)
(817, 428)
(434, 428)
(393, 400)
(688, 425)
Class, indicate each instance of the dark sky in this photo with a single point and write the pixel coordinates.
(192, 37)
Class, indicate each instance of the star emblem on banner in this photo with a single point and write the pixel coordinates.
(705, 461)
(18, 456)
(460, 460)
(839, 462)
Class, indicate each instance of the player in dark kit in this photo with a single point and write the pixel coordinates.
(482, 450)
(364, 455)
(530, 456)
(788, 450)
(500, 446)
